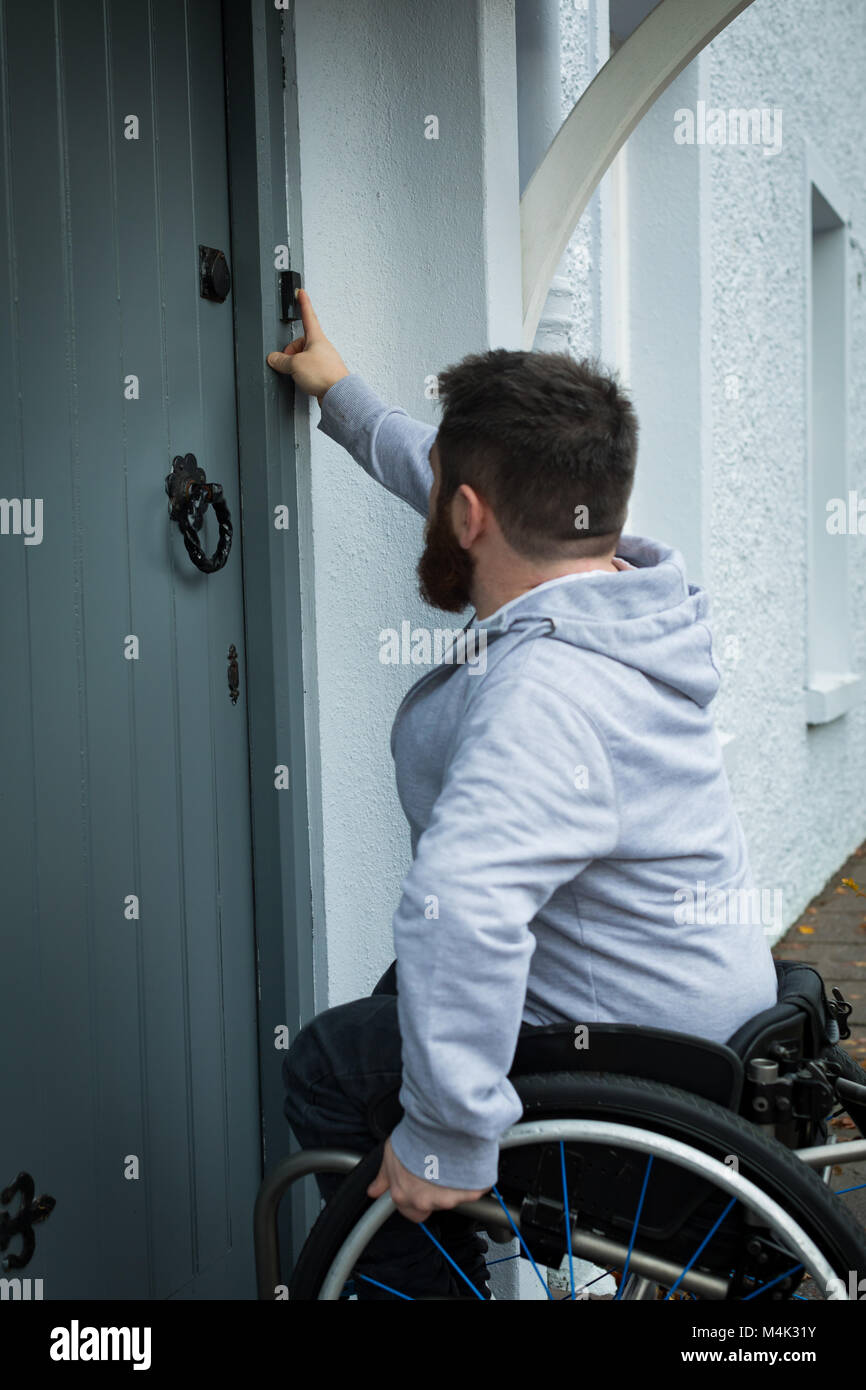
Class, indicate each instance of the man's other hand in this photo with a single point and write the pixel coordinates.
(311, 361)
(413, 1197)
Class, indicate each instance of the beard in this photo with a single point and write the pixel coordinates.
(445, 569)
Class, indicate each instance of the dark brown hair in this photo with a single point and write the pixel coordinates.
(539, 435)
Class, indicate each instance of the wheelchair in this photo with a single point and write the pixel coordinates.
(649, 1165)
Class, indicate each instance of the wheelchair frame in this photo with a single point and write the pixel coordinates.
(742, 1076)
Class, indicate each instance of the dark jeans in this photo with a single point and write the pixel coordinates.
(342, 1074)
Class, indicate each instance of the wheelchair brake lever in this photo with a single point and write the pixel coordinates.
(839, 1009)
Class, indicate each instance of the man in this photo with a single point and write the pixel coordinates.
(564, 802)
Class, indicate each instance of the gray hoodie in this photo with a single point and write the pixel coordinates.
(576, 852)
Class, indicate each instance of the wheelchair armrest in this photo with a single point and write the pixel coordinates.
(707, 1068)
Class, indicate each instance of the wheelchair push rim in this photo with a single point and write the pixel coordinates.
(627, 1137)
(601, 1184)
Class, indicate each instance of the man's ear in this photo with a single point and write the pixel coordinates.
(469, 515)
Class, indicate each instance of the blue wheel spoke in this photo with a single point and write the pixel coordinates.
(453, 1263)
(590, 1282)
(634, 1227)
(762, 1288)
(704, 1243)
(541, 1281)
(567, 1219)
(387, 1287)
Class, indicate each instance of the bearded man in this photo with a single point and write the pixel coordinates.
(560, 803)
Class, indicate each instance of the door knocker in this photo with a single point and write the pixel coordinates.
(189, 494)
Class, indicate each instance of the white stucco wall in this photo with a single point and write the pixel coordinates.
(800, 790)
(735, 465)
(411, 257)
(585, 47)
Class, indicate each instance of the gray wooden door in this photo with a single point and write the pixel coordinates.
(128, 1047)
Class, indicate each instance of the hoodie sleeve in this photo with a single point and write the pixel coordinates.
(527, 802)
(389, 445)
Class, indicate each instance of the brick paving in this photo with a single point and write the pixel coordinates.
(831, 936)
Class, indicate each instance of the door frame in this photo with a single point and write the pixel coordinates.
(256, 132)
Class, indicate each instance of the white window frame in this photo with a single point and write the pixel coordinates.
(831, 688)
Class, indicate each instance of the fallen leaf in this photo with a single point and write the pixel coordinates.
(807, 931)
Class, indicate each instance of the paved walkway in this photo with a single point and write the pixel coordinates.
(831, 935)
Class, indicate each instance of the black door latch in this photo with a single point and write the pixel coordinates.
(289, 280)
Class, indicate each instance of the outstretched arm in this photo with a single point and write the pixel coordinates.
(389, 445)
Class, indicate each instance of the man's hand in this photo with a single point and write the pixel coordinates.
(312, 361)
(413, 1197)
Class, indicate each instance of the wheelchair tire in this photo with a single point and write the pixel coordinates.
(647, 1105)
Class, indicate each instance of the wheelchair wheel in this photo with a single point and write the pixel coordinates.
(661, 1224)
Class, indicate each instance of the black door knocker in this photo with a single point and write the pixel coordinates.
(31, 1210)
(189, 494)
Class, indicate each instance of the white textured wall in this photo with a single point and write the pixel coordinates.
(411, 257)
(585, 47)
(799, 790)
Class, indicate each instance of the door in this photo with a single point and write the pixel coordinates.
(128, 1012)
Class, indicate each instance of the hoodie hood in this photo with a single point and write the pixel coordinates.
(648, 617)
